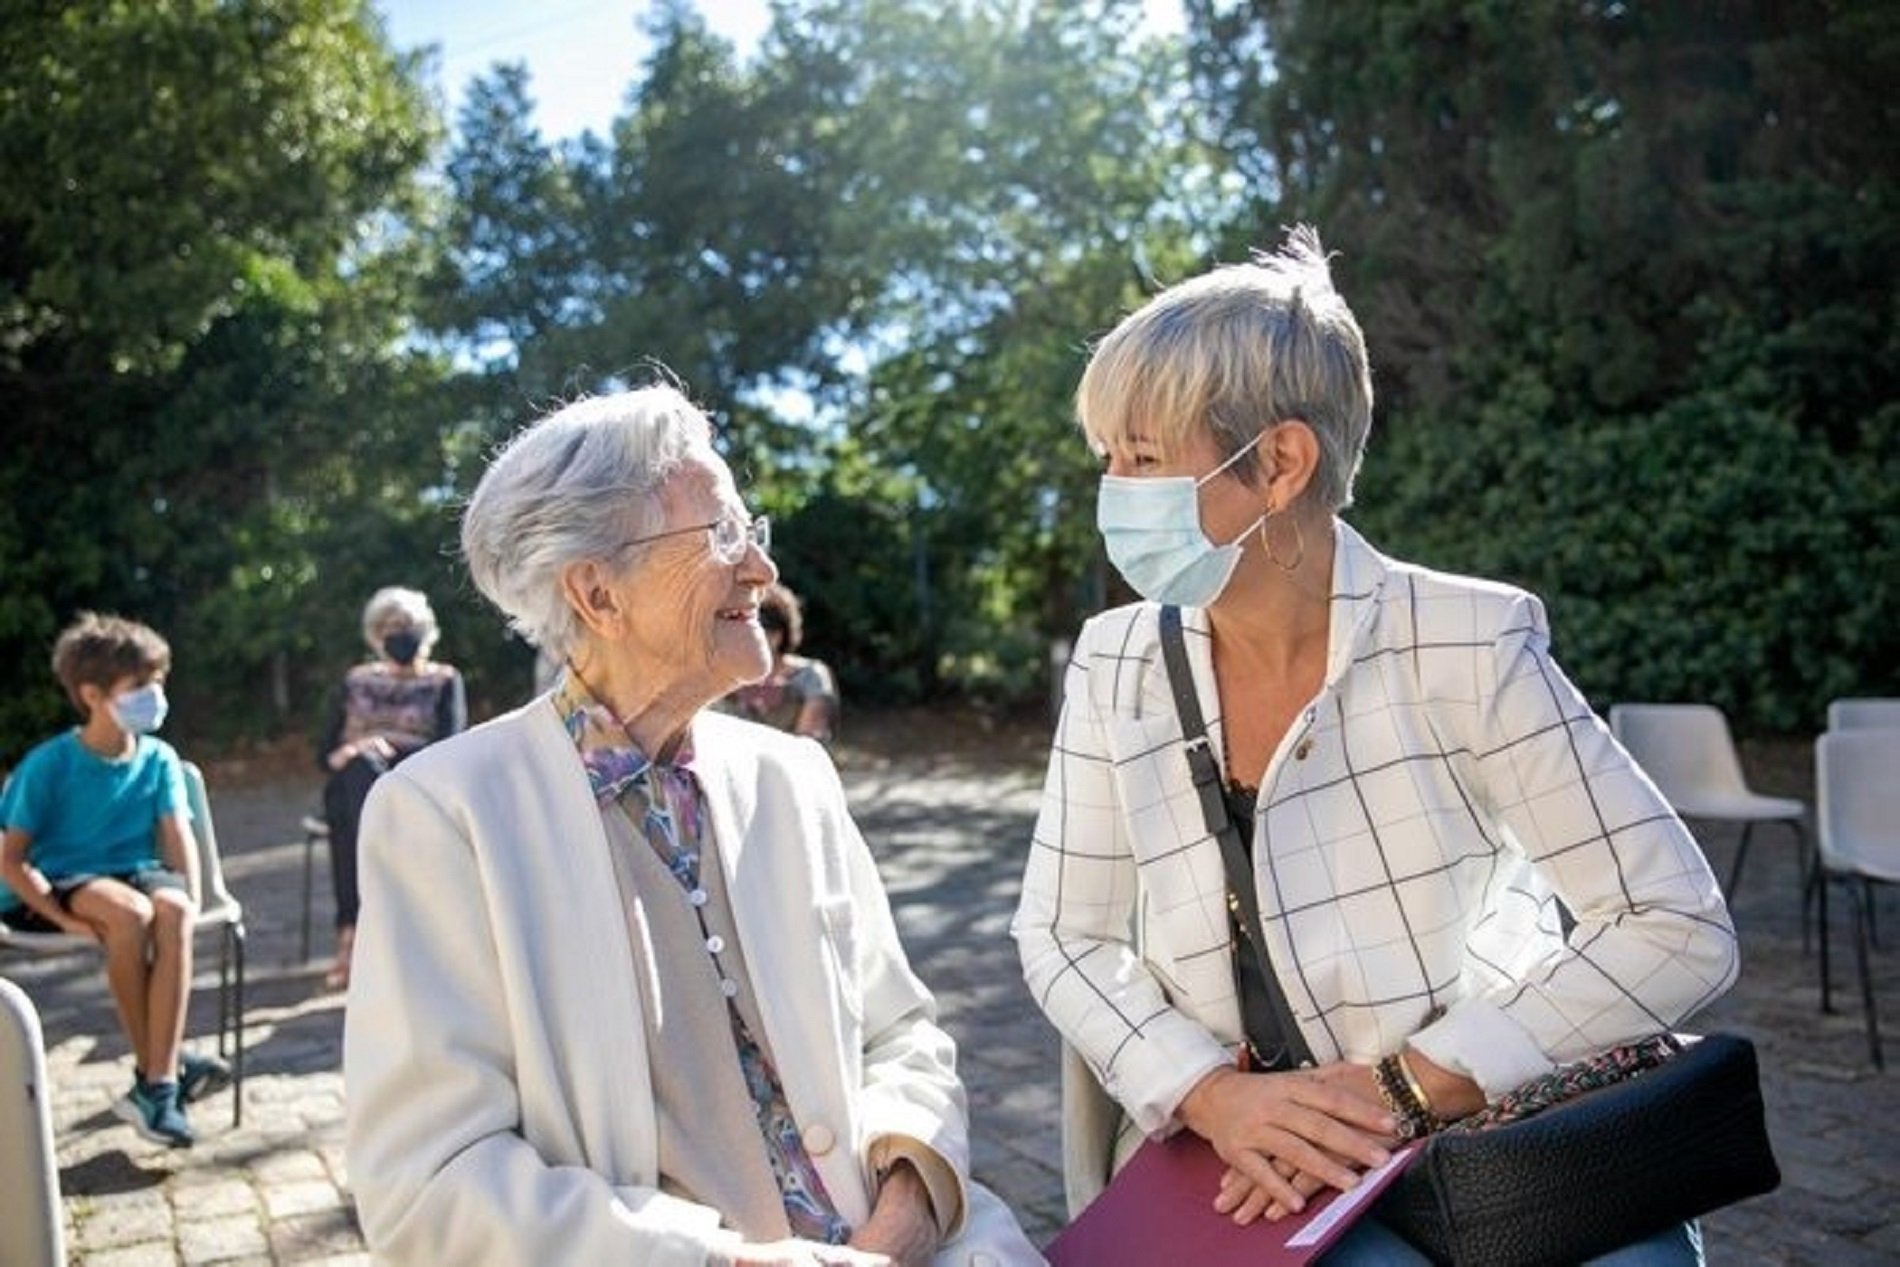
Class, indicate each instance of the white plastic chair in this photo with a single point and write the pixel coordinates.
(29, 1176)
(1866, 713)
(218, 909)
(1687, 750)
(1857, 782)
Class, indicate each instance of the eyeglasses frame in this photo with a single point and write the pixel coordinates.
(756, 531)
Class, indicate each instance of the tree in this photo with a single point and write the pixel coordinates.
(208, 211)
(875, 251)
(1627, 274)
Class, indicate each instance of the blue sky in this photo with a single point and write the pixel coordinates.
(581, 54)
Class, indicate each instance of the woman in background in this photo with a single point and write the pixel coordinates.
(394, 705)
(799, 694)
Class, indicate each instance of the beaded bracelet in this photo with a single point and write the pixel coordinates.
(1415, 1121)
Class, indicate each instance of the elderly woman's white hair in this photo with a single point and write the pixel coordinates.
(395, 605)
(1236, 350)
(574, 485)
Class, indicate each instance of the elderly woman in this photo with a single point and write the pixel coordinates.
(396, 703)
(1461, 878)
(630, 990)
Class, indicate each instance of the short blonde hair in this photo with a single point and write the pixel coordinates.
(394, 603)
(1237, 350)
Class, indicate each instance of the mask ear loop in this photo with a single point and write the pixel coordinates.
(1299, 541)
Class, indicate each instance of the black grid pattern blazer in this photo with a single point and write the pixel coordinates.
(1413, 828)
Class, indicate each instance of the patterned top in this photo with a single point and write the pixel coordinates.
(664, 801)
(410, 709)
(1415, 832)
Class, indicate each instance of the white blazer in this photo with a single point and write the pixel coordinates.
(1412, 830)
(500, 1107)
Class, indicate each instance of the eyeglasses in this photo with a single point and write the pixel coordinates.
(729, 536)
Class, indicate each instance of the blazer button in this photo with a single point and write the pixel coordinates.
(818, 1139)
(1306, 746)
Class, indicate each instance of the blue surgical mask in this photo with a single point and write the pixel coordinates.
(1152, 529)
(140, 711)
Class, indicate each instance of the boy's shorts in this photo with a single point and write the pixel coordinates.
(151, 880)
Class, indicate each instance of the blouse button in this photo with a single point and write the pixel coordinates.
(697, 897)
(1306, 746)
(715, 943)
(817, 1139)
(728, 987)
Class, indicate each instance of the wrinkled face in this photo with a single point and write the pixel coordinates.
(694, 615)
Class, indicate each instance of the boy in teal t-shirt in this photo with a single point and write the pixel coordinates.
(98, 843)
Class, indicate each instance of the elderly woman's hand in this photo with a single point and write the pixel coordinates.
(901, 1225)
(1325, 1123)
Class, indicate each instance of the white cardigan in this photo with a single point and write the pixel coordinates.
(1412, 829)
(499, 1100)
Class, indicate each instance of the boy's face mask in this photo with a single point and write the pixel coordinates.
(142, 710)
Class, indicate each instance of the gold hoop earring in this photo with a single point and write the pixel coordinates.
(1299, 543)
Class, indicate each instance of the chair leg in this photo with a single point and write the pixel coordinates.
(1741, 855)
(1827, 984)
(235, 936)
(1873, 923)
(1861, 917)
(309, 849)
(1810, 870)
(224, 991)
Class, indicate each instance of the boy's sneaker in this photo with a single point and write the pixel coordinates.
(201, 1076)
(152, 1109)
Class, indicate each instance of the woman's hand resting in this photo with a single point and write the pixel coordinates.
(1322, 1126)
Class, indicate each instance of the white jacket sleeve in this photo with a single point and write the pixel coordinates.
(1653, 942)
(1074, 928)
(440, 1168)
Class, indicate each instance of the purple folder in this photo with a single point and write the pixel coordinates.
(1158, 1211)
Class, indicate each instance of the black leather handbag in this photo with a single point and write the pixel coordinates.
(1610, 1167)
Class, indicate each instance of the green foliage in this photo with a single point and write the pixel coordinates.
(206, 276)
(905, 215)
(1627, 275)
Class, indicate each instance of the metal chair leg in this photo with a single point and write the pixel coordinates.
(224, 990)
(235, 937)
(1827, 983)
(309, 850)
(1859, 898)
(1741, 855)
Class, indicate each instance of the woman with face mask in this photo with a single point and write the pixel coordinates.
(1442, 875)
(387, 708)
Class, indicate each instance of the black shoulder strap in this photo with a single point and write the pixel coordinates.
(1242, 900)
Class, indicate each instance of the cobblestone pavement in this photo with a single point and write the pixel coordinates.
(949, 830)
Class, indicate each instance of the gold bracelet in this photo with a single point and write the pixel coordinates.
(1417, 1088)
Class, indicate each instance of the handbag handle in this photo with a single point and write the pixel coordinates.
(1243, 902)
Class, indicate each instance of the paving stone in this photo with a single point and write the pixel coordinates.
(153, 1254)
(284, 1200)
(123, 1222)
(217, 1240)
